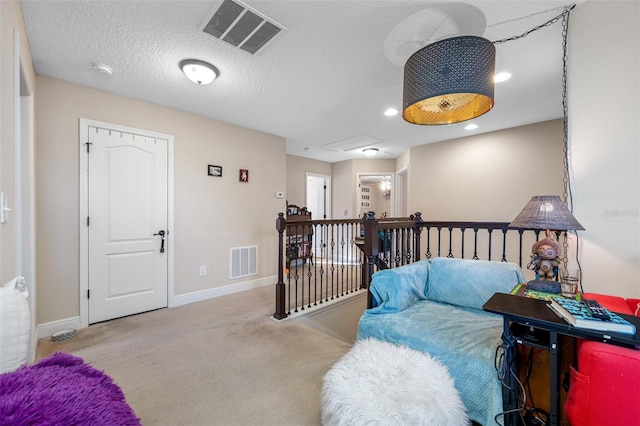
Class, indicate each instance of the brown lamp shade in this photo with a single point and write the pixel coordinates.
(449, 81)
(546, 212)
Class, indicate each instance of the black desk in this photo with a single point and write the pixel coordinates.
(534, 313)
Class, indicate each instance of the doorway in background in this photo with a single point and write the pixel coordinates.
(374, 193)
(319, 204)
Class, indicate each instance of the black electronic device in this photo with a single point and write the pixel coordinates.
(596, 310)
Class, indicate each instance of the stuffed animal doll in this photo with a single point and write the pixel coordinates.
(545, 259)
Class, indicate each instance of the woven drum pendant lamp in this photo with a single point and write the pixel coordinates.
(449, 81)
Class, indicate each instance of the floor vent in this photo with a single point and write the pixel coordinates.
(241, 26)
(244, 261)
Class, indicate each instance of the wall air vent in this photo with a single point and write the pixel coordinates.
(244, 261)
(241, 26)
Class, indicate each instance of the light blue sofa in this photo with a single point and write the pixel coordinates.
(435, 306)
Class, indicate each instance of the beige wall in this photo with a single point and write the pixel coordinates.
(297, 169)
(604, 128)
(342, 202)
(488, 177)
(11, 23)
(211, 214)
(604, 163)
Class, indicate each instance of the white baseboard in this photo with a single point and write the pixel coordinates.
(199, 296)
(326, 306)
(48, 328)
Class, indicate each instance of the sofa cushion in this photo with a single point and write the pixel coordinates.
(605, 389)
(396, 289)
(470, 283)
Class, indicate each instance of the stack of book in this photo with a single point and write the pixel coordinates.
(522, 290)
(578, 314)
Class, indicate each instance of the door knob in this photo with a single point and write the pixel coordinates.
(162, 234)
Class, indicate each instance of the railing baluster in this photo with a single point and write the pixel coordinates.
(490, 230)
(341, 260)
(462, 243)
(504, 245)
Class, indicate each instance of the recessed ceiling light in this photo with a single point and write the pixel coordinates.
(370, 152)
(501, 76)
(471, 127)
(391, 112)
(200, 72)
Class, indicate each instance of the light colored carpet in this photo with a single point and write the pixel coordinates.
(219, 362)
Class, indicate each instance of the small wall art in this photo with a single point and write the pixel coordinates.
(244, 175)
(214, 171)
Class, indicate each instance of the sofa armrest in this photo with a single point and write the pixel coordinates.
(394, 290)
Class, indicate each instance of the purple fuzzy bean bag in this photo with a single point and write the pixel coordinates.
(62, 390)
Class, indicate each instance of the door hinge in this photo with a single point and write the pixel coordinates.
(88, 144)
(87, 220)
(88, 293)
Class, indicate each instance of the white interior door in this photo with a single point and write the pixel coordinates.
(318, 196)
(319, 204)
(127, 210)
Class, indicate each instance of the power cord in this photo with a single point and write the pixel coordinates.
(504, 361)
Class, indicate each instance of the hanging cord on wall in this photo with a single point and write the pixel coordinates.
(567, 194)
(551, 21)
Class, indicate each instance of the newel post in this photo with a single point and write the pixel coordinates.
(417, 231)
(371, 248)
(281, 224)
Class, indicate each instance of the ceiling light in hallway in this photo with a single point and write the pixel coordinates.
(199, 72)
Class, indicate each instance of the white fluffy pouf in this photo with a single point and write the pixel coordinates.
(378, 383)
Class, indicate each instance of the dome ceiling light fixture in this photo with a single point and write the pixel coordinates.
(370, 152)
(200, 72)
(449, 81)
(102, 68)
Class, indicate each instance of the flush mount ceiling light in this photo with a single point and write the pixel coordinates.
(102, 68)
(449, 81)
(390, 112)
(199, 72)
(370, 152)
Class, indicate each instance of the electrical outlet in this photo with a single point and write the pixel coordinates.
(203, 271)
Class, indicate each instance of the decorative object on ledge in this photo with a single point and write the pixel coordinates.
(449, 81)
(549, 213)
(244, 175)
(200, 72)
(214, 170)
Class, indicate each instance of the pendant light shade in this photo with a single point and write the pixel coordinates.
(449, 81)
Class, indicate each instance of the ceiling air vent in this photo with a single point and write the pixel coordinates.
(241, 26)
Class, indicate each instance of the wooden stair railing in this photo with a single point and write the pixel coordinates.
(393, 242)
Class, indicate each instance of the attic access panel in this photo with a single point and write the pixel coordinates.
(241, 26)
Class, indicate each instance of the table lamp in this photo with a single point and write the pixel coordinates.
(547, 212)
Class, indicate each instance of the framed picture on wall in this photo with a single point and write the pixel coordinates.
(214, 171)
(244, 175)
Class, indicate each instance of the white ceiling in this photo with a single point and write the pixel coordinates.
(326, 79)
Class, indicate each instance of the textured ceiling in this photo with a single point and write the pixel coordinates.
(326, 80)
